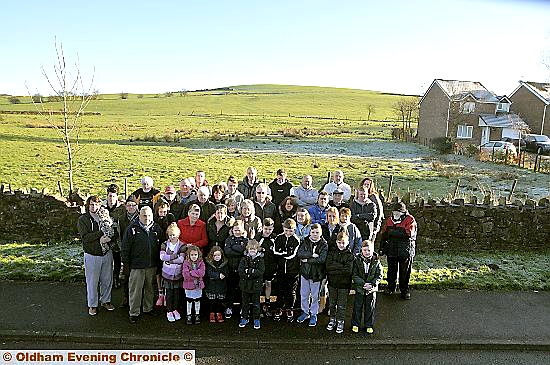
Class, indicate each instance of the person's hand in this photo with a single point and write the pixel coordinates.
(367, 286)
(222, 276)
(315, 255)
(104, 239)
(304, 260)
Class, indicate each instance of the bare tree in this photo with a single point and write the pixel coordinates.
(68, 88)
(406, 111)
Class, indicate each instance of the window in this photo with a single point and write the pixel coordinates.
(503, 107)
(464, 131)
(468, 107)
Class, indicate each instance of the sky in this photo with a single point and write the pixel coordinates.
(397, 46)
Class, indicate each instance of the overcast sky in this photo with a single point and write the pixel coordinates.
(392, 46)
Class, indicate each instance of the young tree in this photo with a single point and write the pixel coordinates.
(406, 110)
(68, 88)
(370, 109)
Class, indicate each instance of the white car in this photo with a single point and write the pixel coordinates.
(498, 147)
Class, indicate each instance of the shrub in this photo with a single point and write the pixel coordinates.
(123, 95)
(443, 145)
(14, 100)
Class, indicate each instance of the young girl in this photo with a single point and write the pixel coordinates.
(172, 256)
(232, 211)
(251, 273)
(217, 270)
(193, 273)
(266, 248)
(252, 223)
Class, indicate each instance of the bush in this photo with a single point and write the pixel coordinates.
(123, 95)
(14, 100)
(443, 145)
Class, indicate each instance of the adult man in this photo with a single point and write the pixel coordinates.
(170, 197)
(338, 199)
(338, 182)
(306, 195)
(318, 212)
(247, 187)
(398, 243)
(280, 187)
(232, 191)
(140, 255)
(98, 258)
(206, 206)
(146, 193)
(363, 213)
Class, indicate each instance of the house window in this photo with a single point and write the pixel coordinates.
(464, 131)
(468, 107)
(503, 107)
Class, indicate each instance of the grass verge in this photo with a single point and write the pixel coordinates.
(479, 271)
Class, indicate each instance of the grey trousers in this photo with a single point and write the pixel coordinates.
(309, 288)
(141, 289)
(338, 302)
(99, 275)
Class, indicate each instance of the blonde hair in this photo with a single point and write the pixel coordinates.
(173, 228)
(252, 244)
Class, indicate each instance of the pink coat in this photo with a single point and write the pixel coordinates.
(191, 275)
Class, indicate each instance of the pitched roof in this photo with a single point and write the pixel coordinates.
(509, 120)
(541, 90)
(461, 89)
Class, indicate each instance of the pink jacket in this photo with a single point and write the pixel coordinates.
(192, 277)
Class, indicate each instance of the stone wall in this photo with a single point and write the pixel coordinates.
(36, 216)
(472, 226)
(457, 225)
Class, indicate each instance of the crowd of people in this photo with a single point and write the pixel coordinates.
(246, 248)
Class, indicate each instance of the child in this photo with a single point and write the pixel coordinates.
(303, 223)
(217, 270)
(172, 256)
(163, 218)
(312, 253)
(234, 250)
(367, 273)
(251, 272)
(354, 234)
(284, 249)
(193, 283)
(266, 247)
(339, 270)
(232, 211)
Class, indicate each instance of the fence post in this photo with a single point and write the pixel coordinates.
(512, 190)
(60, 187)
(456, 188)
(125, 188)
(390, 184)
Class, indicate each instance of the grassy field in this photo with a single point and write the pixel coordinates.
(479, 271)
(307, 130)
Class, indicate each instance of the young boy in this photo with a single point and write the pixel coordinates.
(234, 251)
(339, 270)
(285, 249)
(367, 273)
(312, 253)
(266, 242)
(251, 272)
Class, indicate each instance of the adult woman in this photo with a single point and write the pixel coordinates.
(218, 228)
(368, 184)
(218, 194)
(363, 214)
(98, 258)
(192, 229)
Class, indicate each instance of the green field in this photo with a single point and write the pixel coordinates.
(307, 130)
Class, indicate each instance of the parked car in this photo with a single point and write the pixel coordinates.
(498, 146)
(515, 141)
(538, 143)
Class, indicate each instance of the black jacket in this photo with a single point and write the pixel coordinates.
(331, 238)
(251, 273)
(141, 249)
(373, 275)
(248, 191)
(214, 284)
(234, 250)
(363, 215)
(314, 267)
(398, 239)
(339, 268)
(89, 232)
(216, 237)
(270, 260)
(285, 249)
(279, 192)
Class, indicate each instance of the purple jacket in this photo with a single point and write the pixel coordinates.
(193, 278)
(172, 262)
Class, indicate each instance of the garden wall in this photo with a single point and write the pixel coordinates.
(457, 225)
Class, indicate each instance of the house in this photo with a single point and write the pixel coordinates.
(466, 112)
(530, 101)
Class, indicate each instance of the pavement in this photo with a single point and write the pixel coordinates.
(44, 312)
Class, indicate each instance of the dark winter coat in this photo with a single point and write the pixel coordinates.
(372, 275)
(363, 215)
(248, 191)
(140, 249)
(398, 239)
(270, 260)
(279, 192)
(234, 250)
(314, 268)
(251, 273)
(331, 237)
(339, 268)
(216, 237)
(214, 284)
(89, 232)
